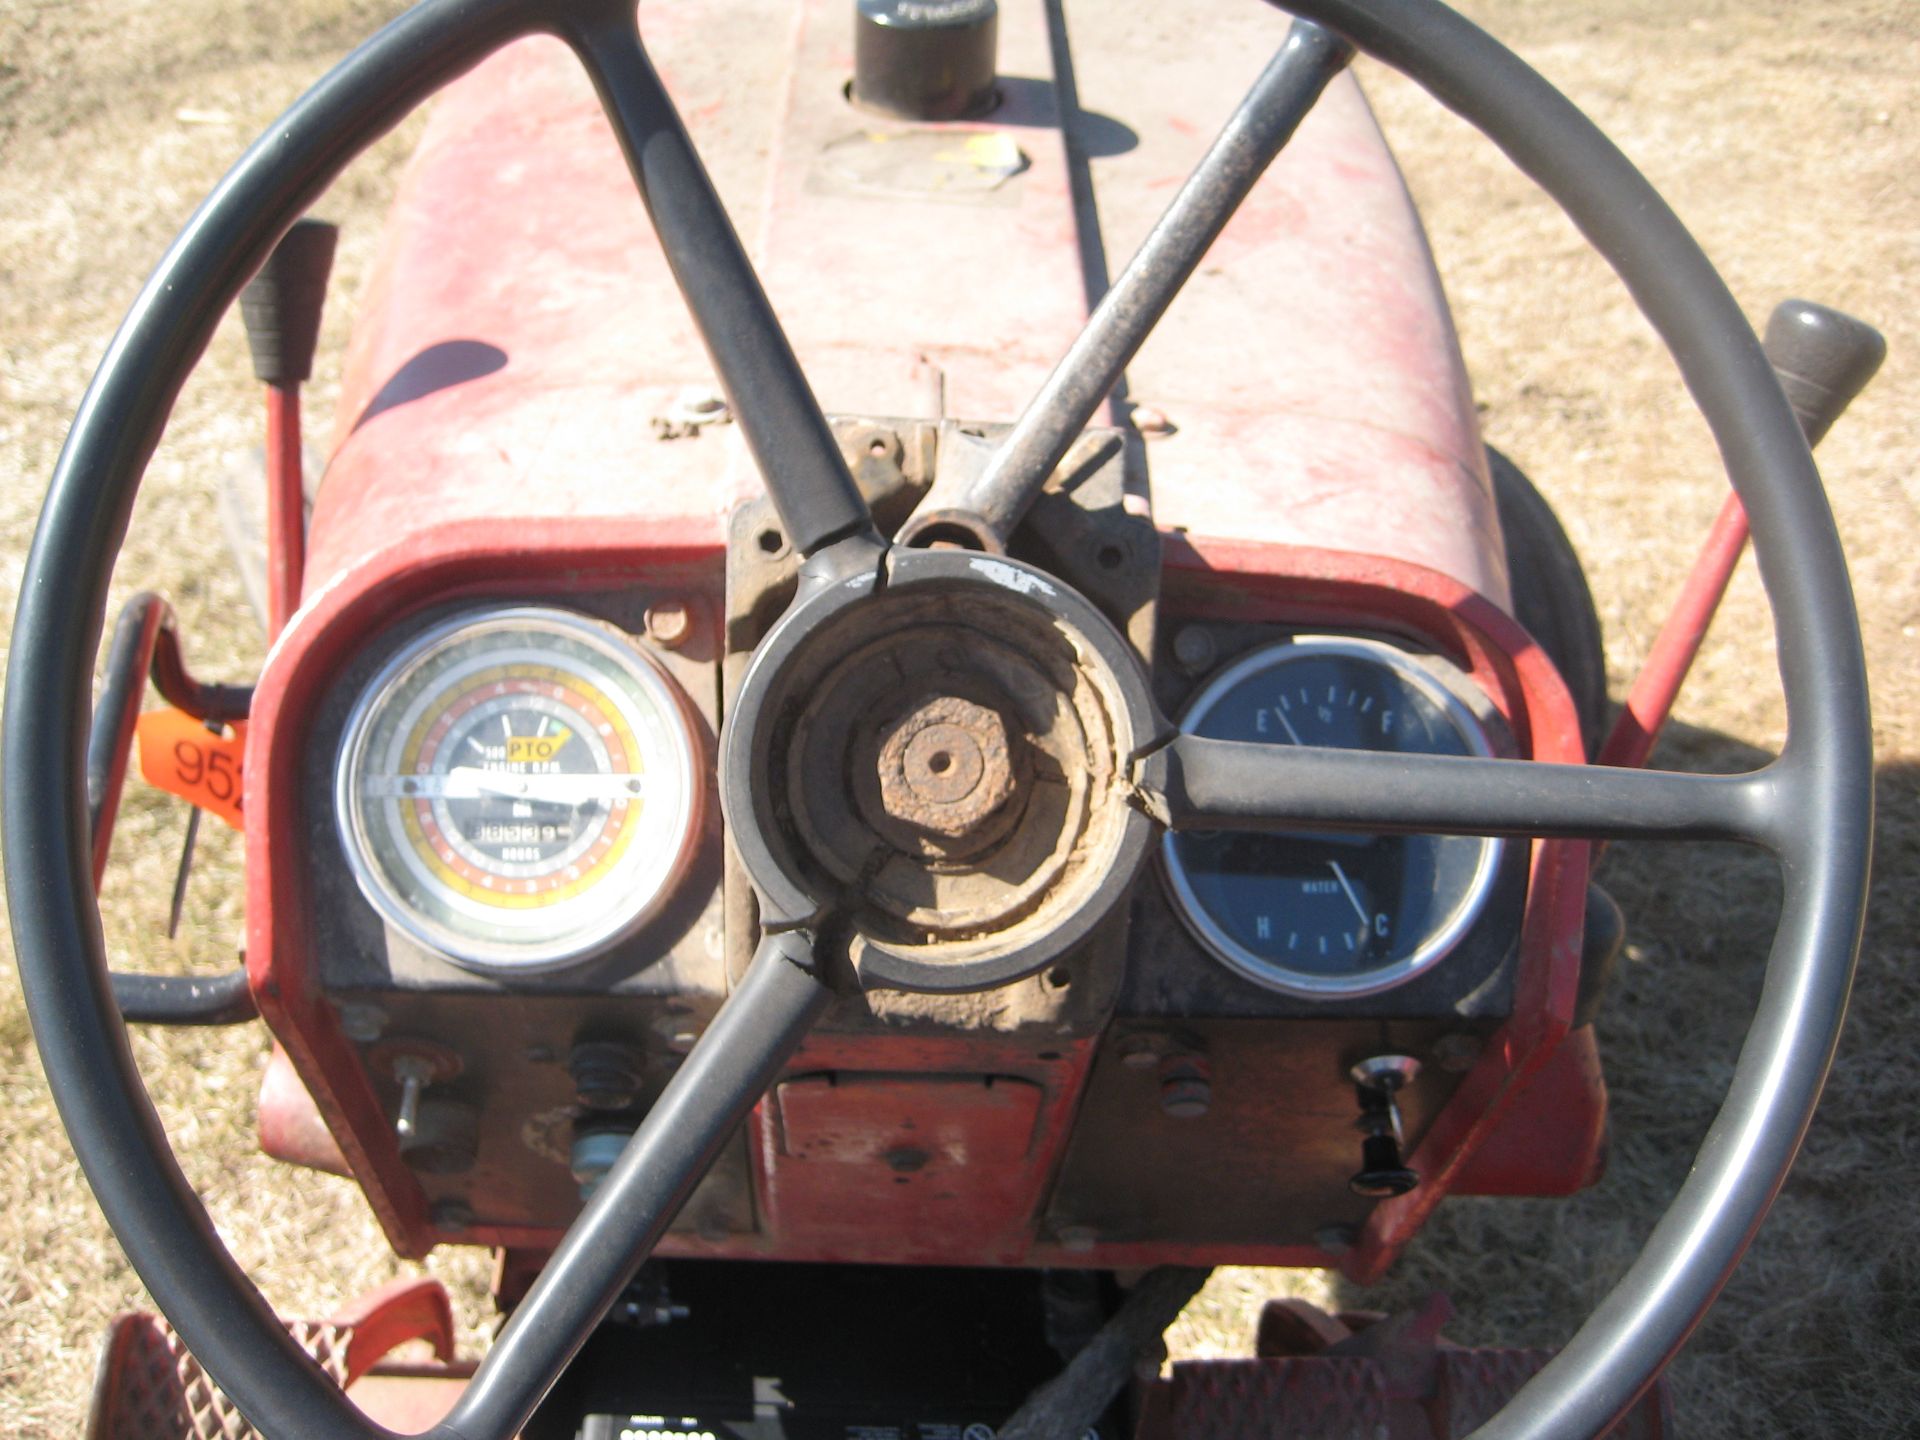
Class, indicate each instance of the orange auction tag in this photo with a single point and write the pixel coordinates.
(181, 755)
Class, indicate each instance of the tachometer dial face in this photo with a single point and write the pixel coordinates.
(1331, 914)
(517, 788)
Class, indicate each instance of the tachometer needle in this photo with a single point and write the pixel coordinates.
(469, 782)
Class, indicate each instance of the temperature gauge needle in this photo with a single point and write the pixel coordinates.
(1366, 920)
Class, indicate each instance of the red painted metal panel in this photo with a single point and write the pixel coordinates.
(943, 1167)
(1555, 1142)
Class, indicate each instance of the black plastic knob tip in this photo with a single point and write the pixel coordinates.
(1382, 1174)
(1824, 358)
(281, 305)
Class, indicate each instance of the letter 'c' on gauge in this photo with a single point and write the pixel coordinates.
(519, 789)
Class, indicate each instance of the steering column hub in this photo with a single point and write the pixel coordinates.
(942, 758)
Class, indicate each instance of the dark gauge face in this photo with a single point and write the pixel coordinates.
(1330, 914)
(517, 788)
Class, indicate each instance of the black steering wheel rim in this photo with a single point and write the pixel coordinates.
(1812, 807)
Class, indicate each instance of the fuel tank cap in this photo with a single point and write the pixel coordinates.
(925, 59)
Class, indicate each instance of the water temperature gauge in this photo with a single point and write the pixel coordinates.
(517, 789)
(1326, 914)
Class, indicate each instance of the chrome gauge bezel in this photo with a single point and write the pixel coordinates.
(660, 851)
(1440, 941)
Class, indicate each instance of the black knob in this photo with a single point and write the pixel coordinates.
(281, 305)
(1382, 1174)
(925, 59)
(1823, 358)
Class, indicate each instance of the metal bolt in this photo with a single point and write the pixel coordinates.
(595, 1153)
(1456, 1052)
(1186, 1099)
(1186, 1087)
(606, 1074)
(413, 1072)
(669, 623)
(363, 1024)
(454, 1216)
(1194, 649)
(1336, 1239)
(1387, 1073)
(1141, 1052)
(1077, 1239)
(945, 766)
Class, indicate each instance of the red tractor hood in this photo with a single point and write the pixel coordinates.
(522, 350)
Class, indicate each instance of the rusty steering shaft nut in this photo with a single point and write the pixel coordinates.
(945, 766)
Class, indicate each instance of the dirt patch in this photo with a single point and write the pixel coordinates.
(1784, 133)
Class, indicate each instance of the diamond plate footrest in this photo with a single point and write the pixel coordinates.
(149, 1387)
(1358, 1377)
(1346, 1398)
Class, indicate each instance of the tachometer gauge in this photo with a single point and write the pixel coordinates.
(517, 789)
(1331, 915)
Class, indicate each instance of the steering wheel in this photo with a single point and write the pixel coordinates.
(1811, 807)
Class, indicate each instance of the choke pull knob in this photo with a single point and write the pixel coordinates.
(1383, 1171)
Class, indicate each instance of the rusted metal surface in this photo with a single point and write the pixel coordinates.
(944, 767)
(940, 1163)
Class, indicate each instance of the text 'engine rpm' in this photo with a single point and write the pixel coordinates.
(1331, 914)
(519, 788)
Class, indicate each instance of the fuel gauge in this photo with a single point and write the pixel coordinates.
(1329, 914)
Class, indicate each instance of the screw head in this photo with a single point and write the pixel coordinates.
(1194, 649)
(1186, 1098)
(1336, 1239)
(669, 623)
(454, 1216)
(363, 1024)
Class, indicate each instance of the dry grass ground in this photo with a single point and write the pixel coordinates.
(1783, 132)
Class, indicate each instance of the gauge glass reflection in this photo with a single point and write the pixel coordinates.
(517, 789)
(1329, 914)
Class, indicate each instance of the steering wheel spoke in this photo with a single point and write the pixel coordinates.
(803, 468)
(1201, 784)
